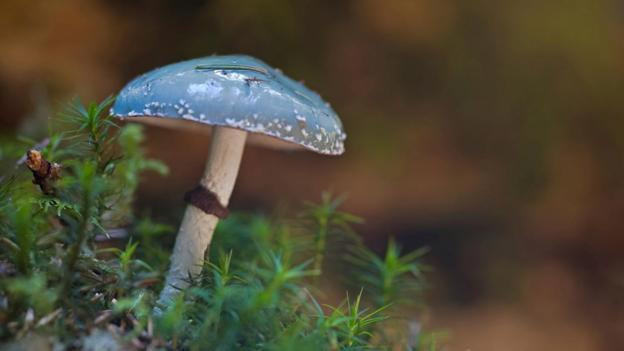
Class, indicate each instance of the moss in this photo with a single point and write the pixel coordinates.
(64, 274)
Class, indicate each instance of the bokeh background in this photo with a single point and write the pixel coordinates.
(490, 131)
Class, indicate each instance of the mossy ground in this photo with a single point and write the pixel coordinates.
(78, 270)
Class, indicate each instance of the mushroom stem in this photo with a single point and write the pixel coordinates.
(197, 226)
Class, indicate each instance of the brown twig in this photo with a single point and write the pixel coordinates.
(44, 172)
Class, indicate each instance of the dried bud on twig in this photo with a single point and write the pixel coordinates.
(43, 171)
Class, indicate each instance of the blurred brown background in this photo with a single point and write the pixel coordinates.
(490, 131)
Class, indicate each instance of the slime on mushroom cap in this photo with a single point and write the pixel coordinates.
(233, 91)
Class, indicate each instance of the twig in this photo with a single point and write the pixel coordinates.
(43, 171)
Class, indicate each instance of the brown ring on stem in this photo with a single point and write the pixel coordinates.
(207, 201)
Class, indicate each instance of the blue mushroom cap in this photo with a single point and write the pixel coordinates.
(234, 91)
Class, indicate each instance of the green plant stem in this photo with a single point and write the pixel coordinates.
(74, 249)
(320, 242)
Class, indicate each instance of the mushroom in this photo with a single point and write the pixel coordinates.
(237, 98)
